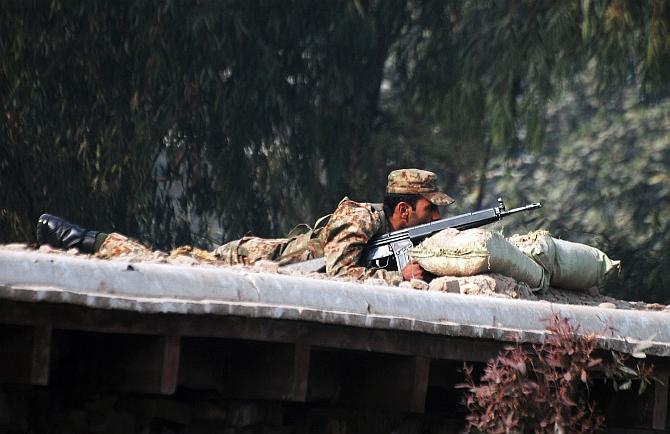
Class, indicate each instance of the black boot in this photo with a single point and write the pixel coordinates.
(61, 234)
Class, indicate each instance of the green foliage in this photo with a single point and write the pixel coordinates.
(604, 183)
(193, 122)
(156, 118)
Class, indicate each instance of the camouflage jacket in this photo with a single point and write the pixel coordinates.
(348, 230)
(341, 242)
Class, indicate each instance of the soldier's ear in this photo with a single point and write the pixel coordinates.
(402, 209)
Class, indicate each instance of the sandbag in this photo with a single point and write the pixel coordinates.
(476, 251)
(539, 246)
(569, 265)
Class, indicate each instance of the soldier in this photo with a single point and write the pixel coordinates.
(411, 198)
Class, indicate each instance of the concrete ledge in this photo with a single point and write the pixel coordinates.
(161, 288)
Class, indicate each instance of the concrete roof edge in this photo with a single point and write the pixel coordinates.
(163, 288)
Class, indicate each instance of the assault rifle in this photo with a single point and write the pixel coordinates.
(391, 250)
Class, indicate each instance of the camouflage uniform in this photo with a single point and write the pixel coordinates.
(350, 227)
(250, 249)
(301, 244)
(341, 241)
(116, 244)
(353, 224)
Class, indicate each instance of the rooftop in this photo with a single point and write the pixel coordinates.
(175, 310)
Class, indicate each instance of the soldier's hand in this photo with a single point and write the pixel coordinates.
(414, 271)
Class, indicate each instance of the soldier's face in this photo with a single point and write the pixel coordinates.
(424, 212)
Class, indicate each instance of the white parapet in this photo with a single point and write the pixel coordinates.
(165, 288)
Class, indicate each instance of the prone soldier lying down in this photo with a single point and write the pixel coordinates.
(412, 198)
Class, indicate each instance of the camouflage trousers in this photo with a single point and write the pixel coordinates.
(249, 249)
(245, 251)
(117, 245)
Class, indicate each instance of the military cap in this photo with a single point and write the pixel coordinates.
(416, 181)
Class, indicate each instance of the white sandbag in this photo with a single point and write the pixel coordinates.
(476, 251)
(569, 265)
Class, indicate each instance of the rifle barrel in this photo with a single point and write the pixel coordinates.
(522, 208)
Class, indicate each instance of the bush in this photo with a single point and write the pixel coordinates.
(546, 388)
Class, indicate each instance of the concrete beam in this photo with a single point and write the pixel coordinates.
(41, 355)
(300, 378)
(660, 413)
(170, 367)
(419, 384)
